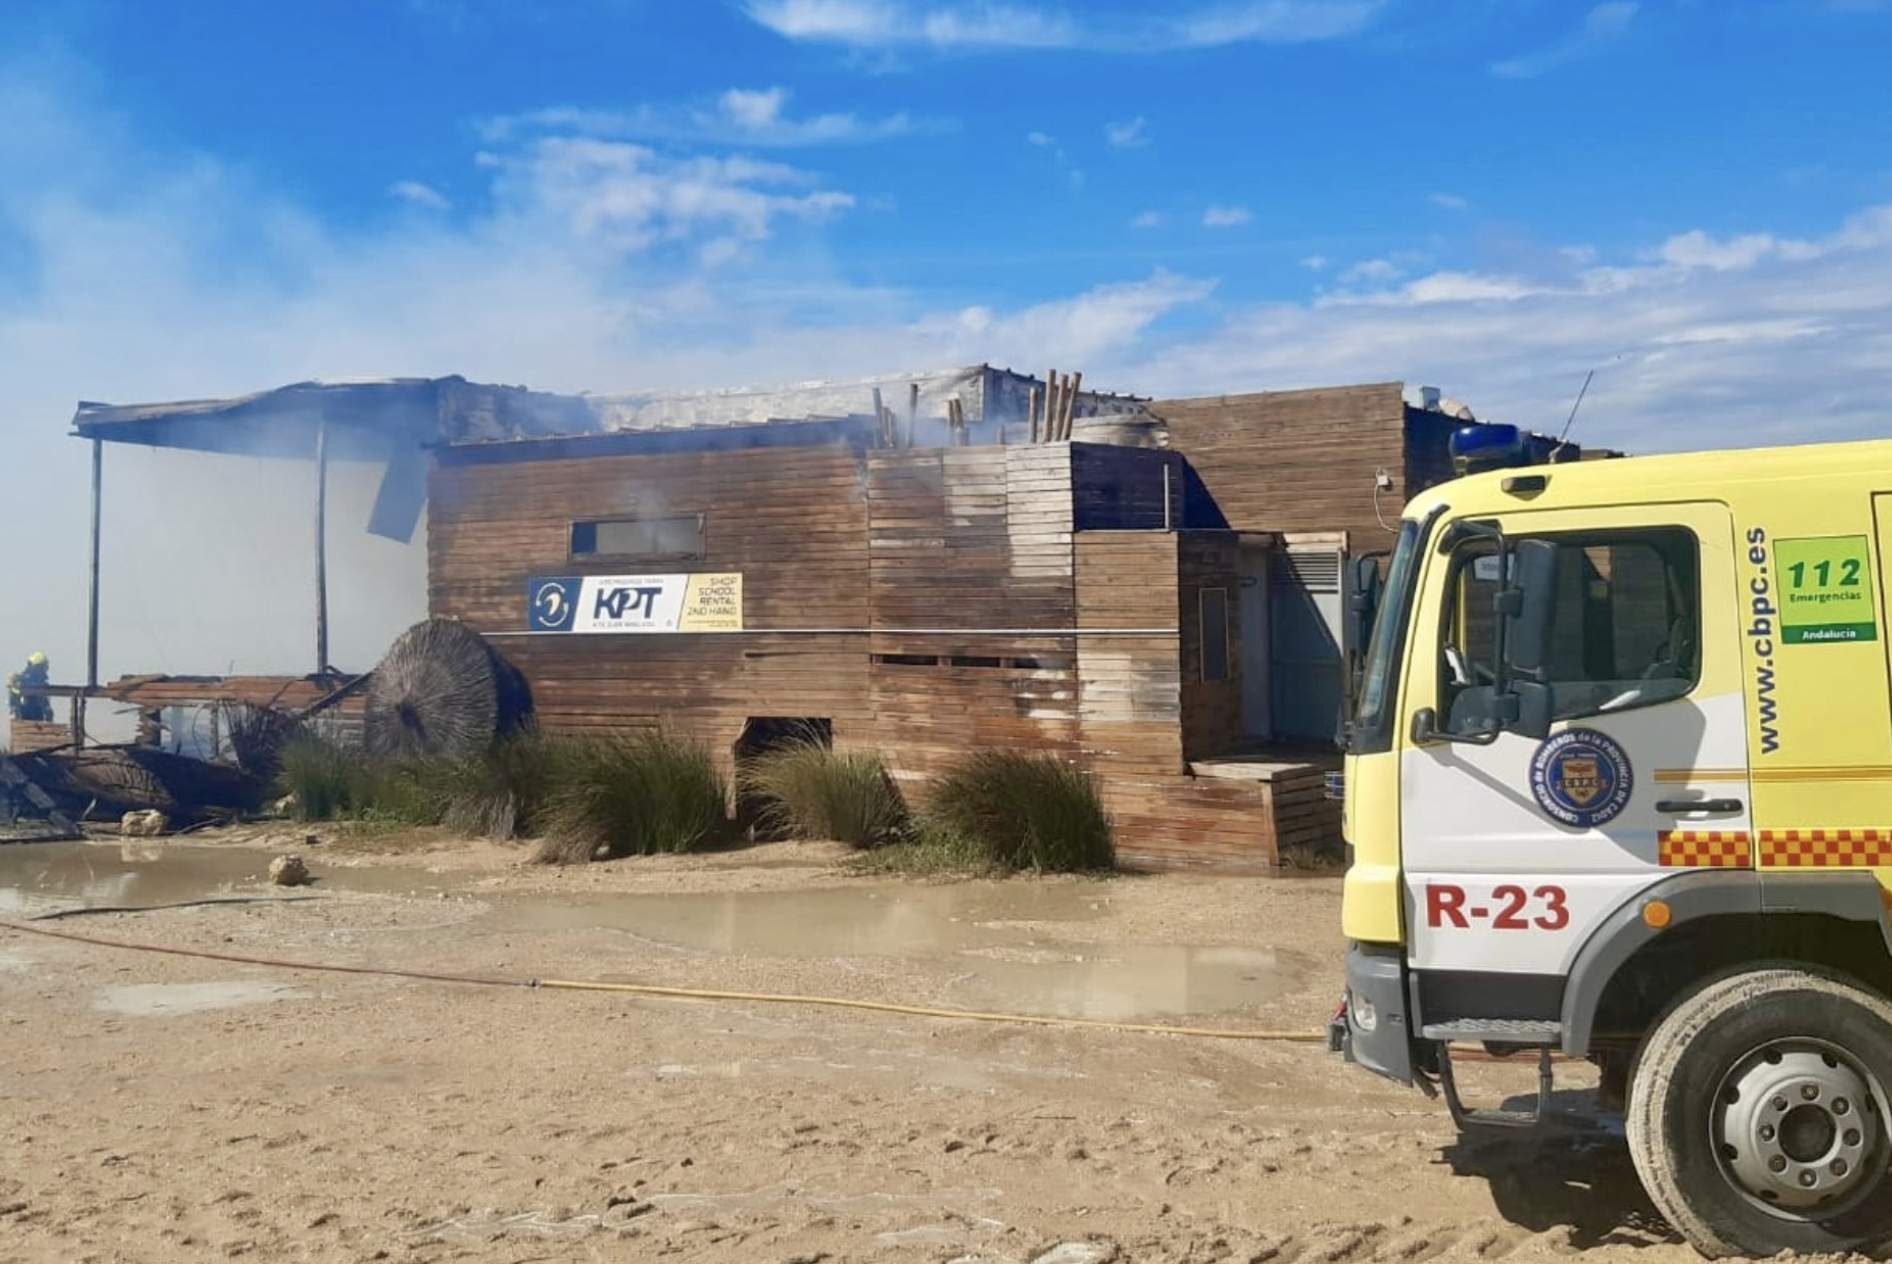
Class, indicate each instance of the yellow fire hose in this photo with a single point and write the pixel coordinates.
(671, 993)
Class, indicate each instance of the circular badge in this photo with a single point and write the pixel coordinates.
(1581, 778)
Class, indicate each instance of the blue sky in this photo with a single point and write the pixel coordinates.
(1494, 196)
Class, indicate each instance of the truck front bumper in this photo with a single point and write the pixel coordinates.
(1371, 1028)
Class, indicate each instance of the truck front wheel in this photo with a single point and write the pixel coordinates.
(1759, 1117)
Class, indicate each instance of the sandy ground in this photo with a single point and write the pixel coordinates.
(162, 1108)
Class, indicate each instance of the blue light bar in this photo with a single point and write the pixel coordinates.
(1487, 447)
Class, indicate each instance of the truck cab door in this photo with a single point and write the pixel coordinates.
(1514, 851)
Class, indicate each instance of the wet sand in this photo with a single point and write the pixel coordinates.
(162, 1108)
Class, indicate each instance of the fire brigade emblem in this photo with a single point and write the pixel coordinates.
(1581, 778)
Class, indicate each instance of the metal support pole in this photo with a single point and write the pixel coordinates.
(92, 608)
(321, 548)
(76, 716)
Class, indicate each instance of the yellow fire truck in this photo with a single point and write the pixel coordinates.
(1619, 786)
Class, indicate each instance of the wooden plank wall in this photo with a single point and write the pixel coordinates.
(1296, 460)
(963, 561)
(25, 737)
(1223, 826)
(1146, 712)
(793, 521)
(970, 551)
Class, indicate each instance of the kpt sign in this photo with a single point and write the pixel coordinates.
(635, 603)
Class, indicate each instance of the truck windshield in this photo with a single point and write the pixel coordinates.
(1372, 718)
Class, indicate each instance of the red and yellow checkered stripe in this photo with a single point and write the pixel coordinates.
(1826, 848)
(1778, 849)
(1706, 849)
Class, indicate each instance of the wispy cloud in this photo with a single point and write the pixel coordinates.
(968, 26)
(1372, 270)
(1132, 135)
(741, 116)
(1226, 216)
(1072, 174)
(414, 193)
(1602, 26)
(628, 198)
(1148, 219)
(1449, 201)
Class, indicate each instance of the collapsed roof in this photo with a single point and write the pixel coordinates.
(393, 421)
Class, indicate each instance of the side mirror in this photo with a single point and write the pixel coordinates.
(1533, 712)
(1525, 606)
(1533, 604)
(1363, 598)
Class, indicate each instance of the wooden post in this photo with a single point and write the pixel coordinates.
(1051, 406)
(321, 547)
(1070, 402)
(913, 409)
(1031, 411)
(880, 418)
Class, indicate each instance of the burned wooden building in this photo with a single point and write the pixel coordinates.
(917, 566)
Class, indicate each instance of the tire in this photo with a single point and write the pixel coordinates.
(1729, 1062)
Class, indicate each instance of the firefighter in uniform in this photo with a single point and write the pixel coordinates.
(34, 676)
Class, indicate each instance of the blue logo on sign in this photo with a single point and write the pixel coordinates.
(552, 604)
(1582, 778)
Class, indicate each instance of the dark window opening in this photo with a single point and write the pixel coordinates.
(760, 735)
(987, 662)
(677, 537)
(1215, 631)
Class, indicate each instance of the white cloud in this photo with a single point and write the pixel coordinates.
(1372, 270)
(1060, 160)
(414, 193)
(629, 198)
(1226, 216)
(1697, 249)
(1148, 219)
(1449, 201)
(975, 26)
(1131, 135)
(740, 116)
(754, 110)
(1317, 263)
(1602, 26)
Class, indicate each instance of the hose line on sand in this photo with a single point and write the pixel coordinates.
(671, 993)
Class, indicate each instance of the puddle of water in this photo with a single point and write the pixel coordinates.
(835, 922)
(1134, 981)
(996, 942)
(154, 1000)
(40, 877)
(996, 939)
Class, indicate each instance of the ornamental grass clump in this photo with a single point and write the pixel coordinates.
(1023, 810)
(502, 791)
(808, 790)
(323, 778)
(638, 794)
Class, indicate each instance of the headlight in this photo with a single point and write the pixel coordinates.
(1365, 1016)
